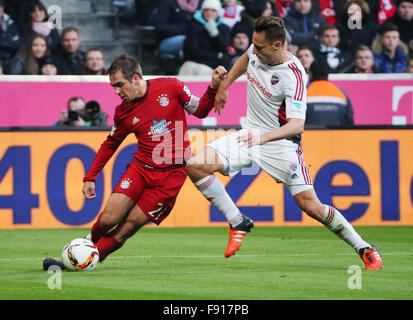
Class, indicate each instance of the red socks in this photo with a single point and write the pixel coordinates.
(97, 231)
(107, 245)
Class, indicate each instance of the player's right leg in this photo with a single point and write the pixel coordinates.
(133, 221)
(201, 169)
(115, 211)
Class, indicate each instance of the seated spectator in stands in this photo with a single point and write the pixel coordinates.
(72, 115)
(10, 40)
(403, 19)
(30, 58)
(356, 26)
(409, 68)
(390, 57)
(303, 24)
(231, 13)
(207, 37)
(327, 104)
(328, 50)
(306, 57)
(172, 22)
(93, 114)
(239, 44)
(48, 67)
(253, 10)
(37, 23)
(94, 63)
(363, 61)
(69, 58)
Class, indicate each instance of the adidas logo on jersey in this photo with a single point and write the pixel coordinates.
(135, 120)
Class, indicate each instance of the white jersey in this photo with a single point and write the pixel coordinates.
(274, 94)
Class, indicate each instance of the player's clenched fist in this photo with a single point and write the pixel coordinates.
(89, 190)
(217, 76)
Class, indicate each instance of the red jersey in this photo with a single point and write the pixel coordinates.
(158, 121)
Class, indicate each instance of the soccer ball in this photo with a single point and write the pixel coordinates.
(80, 255)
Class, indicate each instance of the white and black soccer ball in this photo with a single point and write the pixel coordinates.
(80, 255)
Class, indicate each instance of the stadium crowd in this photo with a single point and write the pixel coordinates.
(352, 36)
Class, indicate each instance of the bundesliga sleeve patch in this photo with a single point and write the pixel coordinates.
(192, 105)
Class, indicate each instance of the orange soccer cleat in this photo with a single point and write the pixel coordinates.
(237, 235)
(371, 257)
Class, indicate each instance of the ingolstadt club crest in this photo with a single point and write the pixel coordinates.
(275, 78)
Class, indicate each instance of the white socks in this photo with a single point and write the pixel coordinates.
(336, 223)
(215, 192)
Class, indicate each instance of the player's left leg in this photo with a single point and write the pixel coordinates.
(334, 221)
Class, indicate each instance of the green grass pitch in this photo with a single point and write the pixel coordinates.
(188, 264)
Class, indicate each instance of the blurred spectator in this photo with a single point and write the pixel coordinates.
(172, 22)
(72, 115)
(207, 38)
(93, 114)
(403, 19)
(306, 57)
(18, 9)
(283, 7)
(49, 67)
(356, 27)
(390, 57)
(327, 11)
(231, 13)
(327, 104)
(363, 61)
(303, 24)
(409, 68)
(10, 40)
(147, 11)
(328, 50)
(239, 44)
(31, 57)
(253, 10)
(94, 63)
(37, 23)
(68, 58)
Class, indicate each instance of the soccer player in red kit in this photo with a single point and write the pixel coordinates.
(154, 110)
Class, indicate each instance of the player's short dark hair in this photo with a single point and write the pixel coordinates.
(273, 27)
(127, 65)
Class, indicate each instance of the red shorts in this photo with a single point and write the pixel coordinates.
(154, 191)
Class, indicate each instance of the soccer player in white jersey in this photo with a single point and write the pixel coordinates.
(270, 138)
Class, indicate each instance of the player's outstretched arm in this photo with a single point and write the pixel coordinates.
(89, 190)
(237, 70)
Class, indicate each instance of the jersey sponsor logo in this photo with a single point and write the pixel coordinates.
(125, 184)
(135, 120)
(253, 63)
(256, 83)
(163, 100)
(159, 126)
(275, 78)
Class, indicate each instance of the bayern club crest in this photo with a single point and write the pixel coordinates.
(275, 78)
(163, 100)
